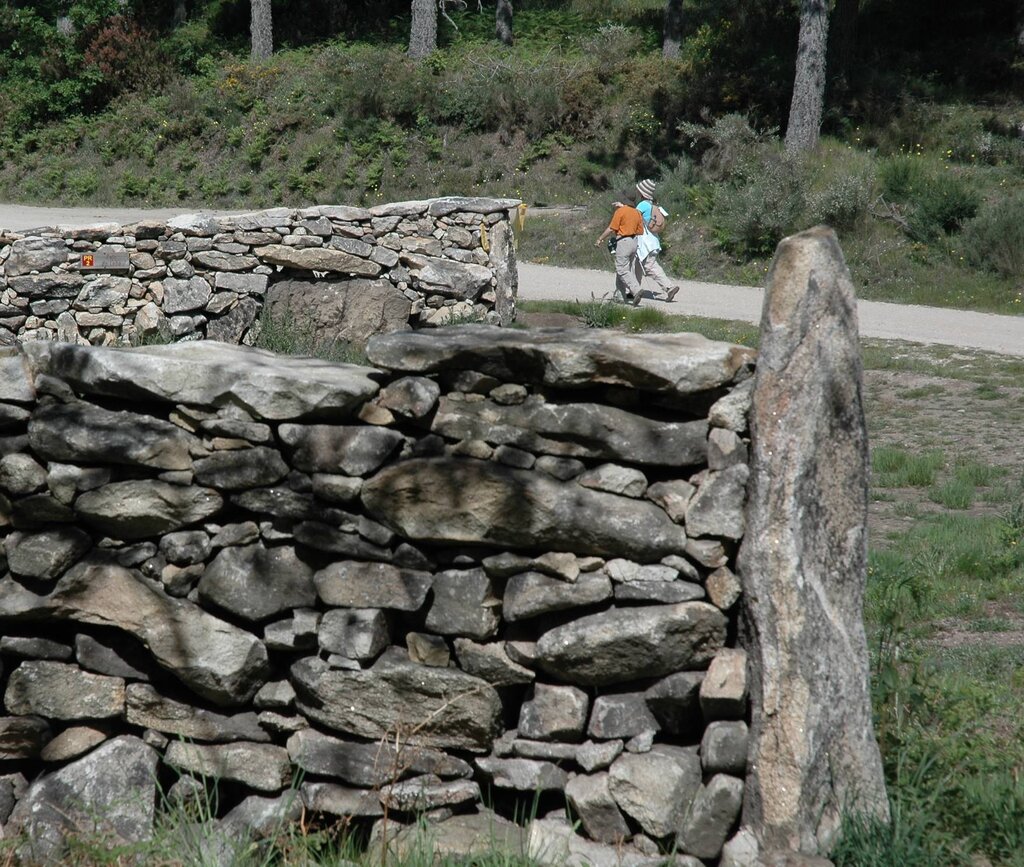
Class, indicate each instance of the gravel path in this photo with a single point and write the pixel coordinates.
(985, 331)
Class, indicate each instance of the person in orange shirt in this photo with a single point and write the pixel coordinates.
(627, 225)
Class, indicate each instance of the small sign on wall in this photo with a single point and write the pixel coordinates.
(106, 258)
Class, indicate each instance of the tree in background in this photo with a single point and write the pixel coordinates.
(262, 29)
(673, 32)
(808, 102)
(503, 22)
(423, 30)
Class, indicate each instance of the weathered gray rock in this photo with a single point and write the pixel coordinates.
(206, 373)
(410, 396)
(464, 604)
(426, 498)
(334, 488)
(317, 259)
(555, 843)
(57, 690)
(629, 644)
(331, 310)
(731, 410)
(615, 479)
(256, 817)
(28, 647)
(35, 254)
(711, 817)
(675, 702)
(241, 469)
(186, 547)
(593, 756)
(446, 277)
(369, 765)
(353, 450)
(231, 327)
(112, 655)
(723, 749)
(217, 660)
(216, 260)
(673, 496)
(49, 554)
(725, 449)
(554, 713)
(654, 791)
(428, 793)
(47, 285)
(591, 799)
(142, 508)
(530, 594)
(263, 767)
(502, 261)
(433, 707)
(724, 588)
(340, 800)
(86, 434)
(523, 775)
(621, 715)
(490, 662)
(354, 633)
(22, 737)
(426, 649)
(73, 742)
(664, 592)
(717, 507)
(104, 292)
(255, 582)
(805, 551)
(670, 364)
(464, 836)
(723, 693)
(145, 707)
(181, 296)
(21, 474)
(353, 584)
(116, 782)
(576, 430)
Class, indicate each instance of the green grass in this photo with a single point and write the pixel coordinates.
(896, 468)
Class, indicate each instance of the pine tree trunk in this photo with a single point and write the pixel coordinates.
(673, 36)
(423, 32)
(180, 13)
(503, 22)
(262, 30)
(808, 102)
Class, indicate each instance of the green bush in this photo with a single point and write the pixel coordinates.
(994, 239)
(843, 202)
(942, 206)
(901, 177)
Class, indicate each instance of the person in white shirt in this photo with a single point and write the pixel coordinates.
(649, 245)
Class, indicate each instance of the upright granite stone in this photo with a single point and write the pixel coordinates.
(803, 559)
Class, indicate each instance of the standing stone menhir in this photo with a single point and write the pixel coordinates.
(803, 560)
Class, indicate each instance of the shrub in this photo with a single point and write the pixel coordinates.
(942, 206)
(843, 202)
(126, 56)
(994, 239)
(901, 177)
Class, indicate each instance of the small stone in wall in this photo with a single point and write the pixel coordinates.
(427, 649)
(595, 756)
(490, 662)
(724, 587)
(723, 694)
(464, 604)
(675, 702)
(561, 468)
(711, 817)
(554, 713)
(356, 633)
(615, 479)
(523, 775)
(622, 715)
(673, 497)
(723, 749)
(652, 791)
(21, 475)
(707, 552)
(510, 456)
(410, 397)
(298, 632)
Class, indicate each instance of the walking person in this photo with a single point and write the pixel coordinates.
(627, 225)
(649, 244)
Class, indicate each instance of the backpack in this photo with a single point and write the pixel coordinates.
(656, 225)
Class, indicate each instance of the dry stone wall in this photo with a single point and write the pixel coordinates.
(496, 564)
(344, 272)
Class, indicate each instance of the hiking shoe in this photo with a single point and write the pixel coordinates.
(635, 299)
(671, 294)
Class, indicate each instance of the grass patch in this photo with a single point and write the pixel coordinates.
(953, 494)
(897, 468)
(285, 335)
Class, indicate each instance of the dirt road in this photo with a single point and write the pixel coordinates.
(985, 331)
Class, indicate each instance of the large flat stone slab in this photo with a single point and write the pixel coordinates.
(466, 500)
(671, 364)
(425, 706)
(632, 643)
(579, 430)
(207, 373)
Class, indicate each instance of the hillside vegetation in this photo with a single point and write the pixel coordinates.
(919, 169)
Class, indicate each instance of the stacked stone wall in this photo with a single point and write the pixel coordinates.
(362, 270)
(496, 565)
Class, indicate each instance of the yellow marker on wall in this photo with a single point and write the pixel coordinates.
(484, 240)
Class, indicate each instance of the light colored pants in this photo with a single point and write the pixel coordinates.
(650, 267)
(626, 283)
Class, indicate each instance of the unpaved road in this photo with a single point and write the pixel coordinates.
(984, 331)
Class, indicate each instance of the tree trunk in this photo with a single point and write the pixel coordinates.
(805, 110)
(262, 30)
(180, 13)
(842, 42)
(423, 32)
(503, 22)
(673, 37)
